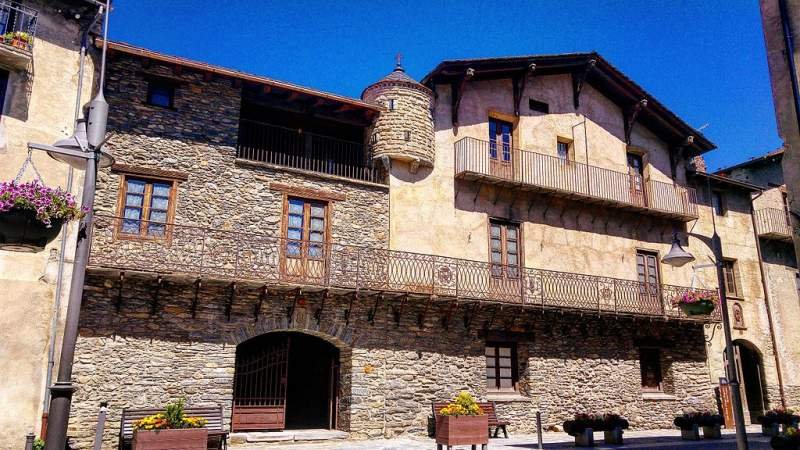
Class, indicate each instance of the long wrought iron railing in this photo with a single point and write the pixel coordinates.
(560, 175)
(773, 222)
(291, 147)
(224, 254)
(17, 25)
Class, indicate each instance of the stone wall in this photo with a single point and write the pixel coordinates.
(390, 371)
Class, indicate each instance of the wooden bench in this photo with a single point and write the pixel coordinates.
(488, 408)
(213, 415)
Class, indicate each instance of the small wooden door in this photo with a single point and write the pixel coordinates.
(636, 174)
(649, 282)
(259, 386)
(737, 358)
(505, 251)
(305, 250)
(501, 149)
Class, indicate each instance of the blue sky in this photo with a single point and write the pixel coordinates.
(704, 59)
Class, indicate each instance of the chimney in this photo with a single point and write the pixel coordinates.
(698, 164)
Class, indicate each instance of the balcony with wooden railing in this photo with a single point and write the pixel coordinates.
(774, 223)
(197, 252)
(527, 170)
(294, 148)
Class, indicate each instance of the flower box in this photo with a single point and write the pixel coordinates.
(691, 434)
(462, 430)
(613, 436)
(171, 439)
(701, 308)
(21, 231)
(712, 432)
(585, 438)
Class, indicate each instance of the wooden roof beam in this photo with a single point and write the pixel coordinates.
(578, 81)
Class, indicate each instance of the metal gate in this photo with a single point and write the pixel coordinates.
(259, 387)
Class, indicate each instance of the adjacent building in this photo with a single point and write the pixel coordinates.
(39, 82)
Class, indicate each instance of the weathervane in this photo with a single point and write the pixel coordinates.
(398, 58)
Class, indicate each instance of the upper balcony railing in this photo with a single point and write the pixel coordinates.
(235, 255)
(523, 169)
(17, 25)
(774, 223)
(288, 147)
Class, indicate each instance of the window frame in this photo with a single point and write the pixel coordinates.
(719, 203)
(570, 156)
(306, 227)
(660, 368)
(514, 366)
(730, 269)
(504, 266)
(146, 207)
(171, 87)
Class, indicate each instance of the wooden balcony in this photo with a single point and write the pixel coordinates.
(297, 149)
(531, 171)
(281, 264)
(774, 223)
(17, 31)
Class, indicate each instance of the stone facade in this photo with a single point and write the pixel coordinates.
(404, 130)
(390, 372)
(39, 107)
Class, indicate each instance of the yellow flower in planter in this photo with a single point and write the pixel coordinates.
(463, 405)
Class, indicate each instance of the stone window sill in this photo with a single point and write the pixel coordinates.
(509, 397)
(657, 396)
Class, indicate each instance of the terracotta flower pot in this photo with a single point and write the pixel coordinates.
(462, 430)
(178, 439)
(701, 308)
(21, 231)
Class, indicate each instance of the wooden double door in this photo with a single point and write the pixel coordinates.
(285, 380)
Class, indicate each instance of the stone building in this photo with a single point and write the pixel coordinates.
(38, 88)
(307, 260)
(778, 265)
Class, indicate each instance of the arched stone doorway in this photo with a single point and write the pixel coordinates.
(285, 380)
(750, 371)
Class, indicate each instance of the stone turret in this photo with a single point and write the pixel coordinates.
(404, 130)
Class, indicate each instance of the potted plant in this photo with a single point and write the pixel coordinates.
(712, 425)
(19, 39)
(613, 424)
(788, 440)
(462, 422)
(31, 215)
(582, 428)
(775, 418)
(696, 303)
(170, 430)
(689, 425)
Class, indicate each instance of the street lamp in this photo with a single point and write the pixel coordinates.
(678, 257)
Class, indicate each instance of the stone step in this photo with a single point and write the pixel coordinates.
(267, 437)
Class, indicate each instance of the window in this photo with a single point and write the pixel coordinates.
(650, 364)
(391, 104)
(146, 206)
(504, 249)
(500, 140)
(718, 203)
(160, 93)
(501, 366)
(538, 106)
(407, 135)
(563, 151)
(729, 270)
(305, 228)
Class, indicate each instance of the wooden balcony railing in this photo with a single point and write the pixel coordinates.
(298, 149)
(475, 159)
(235, 255)
(774, 223)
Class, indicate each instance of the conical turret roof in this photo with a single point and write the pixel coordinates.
(397, 77)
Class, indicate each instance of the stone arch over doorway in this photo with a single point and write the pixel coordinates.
(750, 371)
(290, 376)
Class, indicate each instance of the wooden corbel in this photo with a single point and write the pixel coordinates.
(196, 298)
(397, 311)
(578, 81)
(262, 296)
(424, 312)
(469, 315)
(676, 154)
(321, 309)
(372, 312)
(446, 318)
(630, 115)
(118, 303)
(229, 305)
(156, 291)
(519, 81)
(488, 324)
(349, 311)
(290, 309)
(457, 91)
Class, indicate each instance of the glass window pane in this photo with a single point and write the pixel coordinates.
(158, 216)
(133, 213)
(295, 206)
(315, 236)
(317, 211)
(489, 351)
(317, 224)
(505, 362)
(130, 226)
(491, 373)
(133, 200)
(511, 232)
(505, 351)
(295, 221)
(511, 247)
(495, 231)
(512, 260)
(505, 372)
(505, 383)
(294, 233)
(315, 251)
(293, 249)
(155, 229)
(136, 186)
(159, 203)
(496, 245)
(490, 361)
(161, 189)
(497, 258)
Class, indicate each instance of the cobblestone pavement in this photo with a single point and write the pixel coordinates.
(652, 439)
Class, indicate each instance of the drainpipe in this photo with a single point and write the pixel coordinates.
(51, 353)
(763, 272)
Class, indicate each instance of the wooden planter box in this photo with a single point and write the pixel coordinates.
(180, 439)
(585, 439)
(462, 430)
(712, 432)
(613, 436)
(692, 434)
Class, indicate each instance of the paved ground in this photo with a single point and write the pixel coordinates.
(652, 439)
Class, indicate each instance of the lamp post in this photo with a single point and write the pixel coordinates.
(678, 257)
